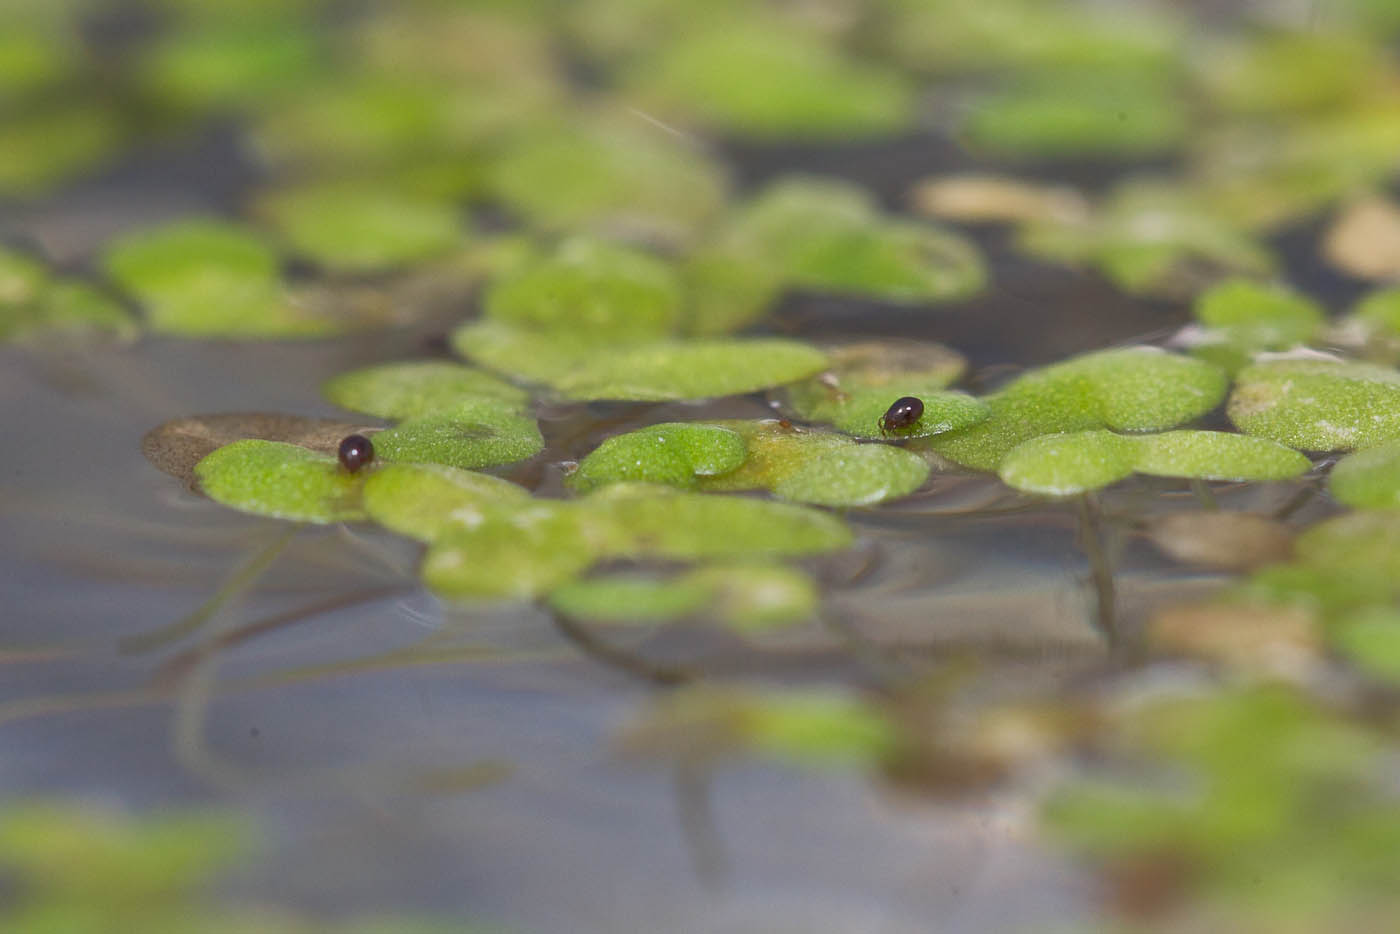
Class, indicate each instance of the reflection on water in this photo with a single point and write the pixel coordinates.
(161, 649)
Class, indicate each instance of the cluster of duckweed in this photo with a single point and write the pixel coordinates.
(413, 157)
(87, 870)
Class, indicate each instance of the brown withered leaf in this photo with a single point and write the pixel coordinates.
(1274, 639)
(1364, 240)
(177, 445)
(1227, 541)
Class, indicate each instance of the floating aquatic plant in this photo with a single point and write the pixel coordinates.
(208, 278)
(700, 724)
(1076, 462)
(602, 176)
(865, 378)
(481, 432)
(819, 467)
(47, 147)
(1151, 237)
(1318, 404)
(284, 481)
(650, 371)
(424, 501)
(748, 598)
(416, 388)
(1077, 115)
(589, 291)
(674, 453)
(1131, 389)
(358, 228)
(829, 236)
(1240, 318)
(747, 77)
(34, 306)
(1368, 479)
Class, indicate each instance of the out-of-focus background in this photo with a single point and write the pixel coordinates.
(996, 710)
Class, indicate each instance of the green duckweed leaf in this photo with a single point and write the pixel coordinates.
(673, 453)
(607, 176)
(285, 481)
(1242, 318)
(1129, 389)
(1368, 479)
(33, 59)
(826, 235)
(820, 728)
(695, 369)
(417, 388)
(820, 468)
(866, 378)
(424, 501)
(1371, 640)
(1066, 464)
(771, 82)
(1288, 71)
(973, 35)
(363, 122)
(630, 600)
(353, 228)
(647, 521)
(206, 278)
(646, 372)
(22, 279)
(229, 67)
(166, 259)
(176, 446)
(1217, 455)
(1150, 237)
(1318, 405)
(1126, 116)
(33, 306)
(1367, 539)
(758, 598)
(726, 290)
(517, 554)
(47, 147)
(590, 290)
(1379, 311)
(91, 854)
(478, 433)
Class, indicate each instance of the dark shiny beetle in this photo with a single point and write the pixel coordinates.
(902, 415)
(355, 451)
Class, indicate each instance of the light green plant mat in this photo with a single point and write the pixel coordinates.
(1151, 237)
(766, 80)
(1318, 404)
(208, 278)
(284, 481)
(866, 378)
(525, 552)
(1078, 462)
(814, 727)
(34, 306)
(804, 466)
(416, 388)
(745, 598)
(1132, 389)
(359, 228)
(829, 236)
(650, 371)
(1240, 318)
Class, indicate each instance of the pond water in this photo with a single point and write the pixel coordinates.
(403, 756)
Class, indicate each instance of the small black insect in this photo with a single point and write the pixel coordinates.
(902, 415)
(355, 451)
